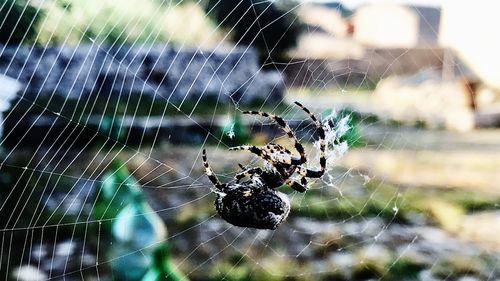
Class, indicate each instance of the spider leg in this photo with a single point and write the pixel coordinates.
(300, 187)
(284, 125)
(210, 173)
(282, 154)
(279, 154)
(315, 174)
(269, 154)
(285, 170)
(263, 153)
(322, 145)
(278, 147)
(252, 148)
(248, 173)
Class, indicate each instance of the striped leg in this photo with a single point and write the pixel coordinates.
(300, 187)
(247, 173)
(274, 147)
(252, 148)
(282, 123)
(322, 144)
(285, 170)
(280, 154)
(210, 173)
(273, 153)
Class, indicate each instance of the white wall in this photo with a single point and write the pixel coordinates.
(471, 28)
(386, 26)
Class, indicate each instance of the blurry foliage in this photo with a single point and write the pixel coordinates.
(408, 267)
(259, 23)
(453, 267)
(439, 206)
(18, 21)
(127, 21)
(143, 105)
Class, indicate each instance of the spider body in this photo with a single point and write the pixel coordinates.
(255, 202)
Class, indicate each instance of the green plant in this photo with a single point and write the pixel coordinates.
(257, 23)
(19, 21)
(126, 21)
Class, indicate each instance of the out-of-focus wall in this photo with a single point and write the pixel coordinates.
(471, 29)
(386, 25)
(329, 20)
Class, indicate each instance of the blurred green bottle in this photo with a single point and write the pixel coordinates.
(116, 190)
(111, 131)
(135, 231)
(162, 269)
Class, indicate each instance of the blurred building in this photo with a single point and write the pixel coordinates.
(386, 26)
(470, 30)
(326, 33)
(322, 19)
(396, 26)
(368, 44)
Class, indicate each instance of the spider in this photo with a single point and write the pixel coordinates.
(255, 202)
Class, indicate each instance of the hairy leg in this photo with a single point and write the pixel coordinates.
(322, 145)
(284, 125)
(210, 173)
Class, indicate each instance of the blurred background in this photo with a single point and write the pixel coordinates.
(105, 107)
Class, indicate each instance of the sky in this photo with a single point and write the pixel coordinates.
(355, 3)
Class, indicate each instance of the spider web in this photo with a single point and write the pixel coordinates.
(160, 97)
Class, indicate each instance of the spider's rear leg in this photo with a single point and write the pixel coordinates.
(210, 173)
(284, 125)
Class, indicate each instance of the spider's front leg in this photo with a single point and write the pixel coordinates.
(271, 154)
(284, 125)
(247, 173)
(220, 187)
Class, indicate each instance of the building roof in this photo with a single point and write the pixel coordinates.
(345, 12)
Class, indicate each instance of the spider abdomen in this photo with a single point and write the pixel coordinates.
(256, 208)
